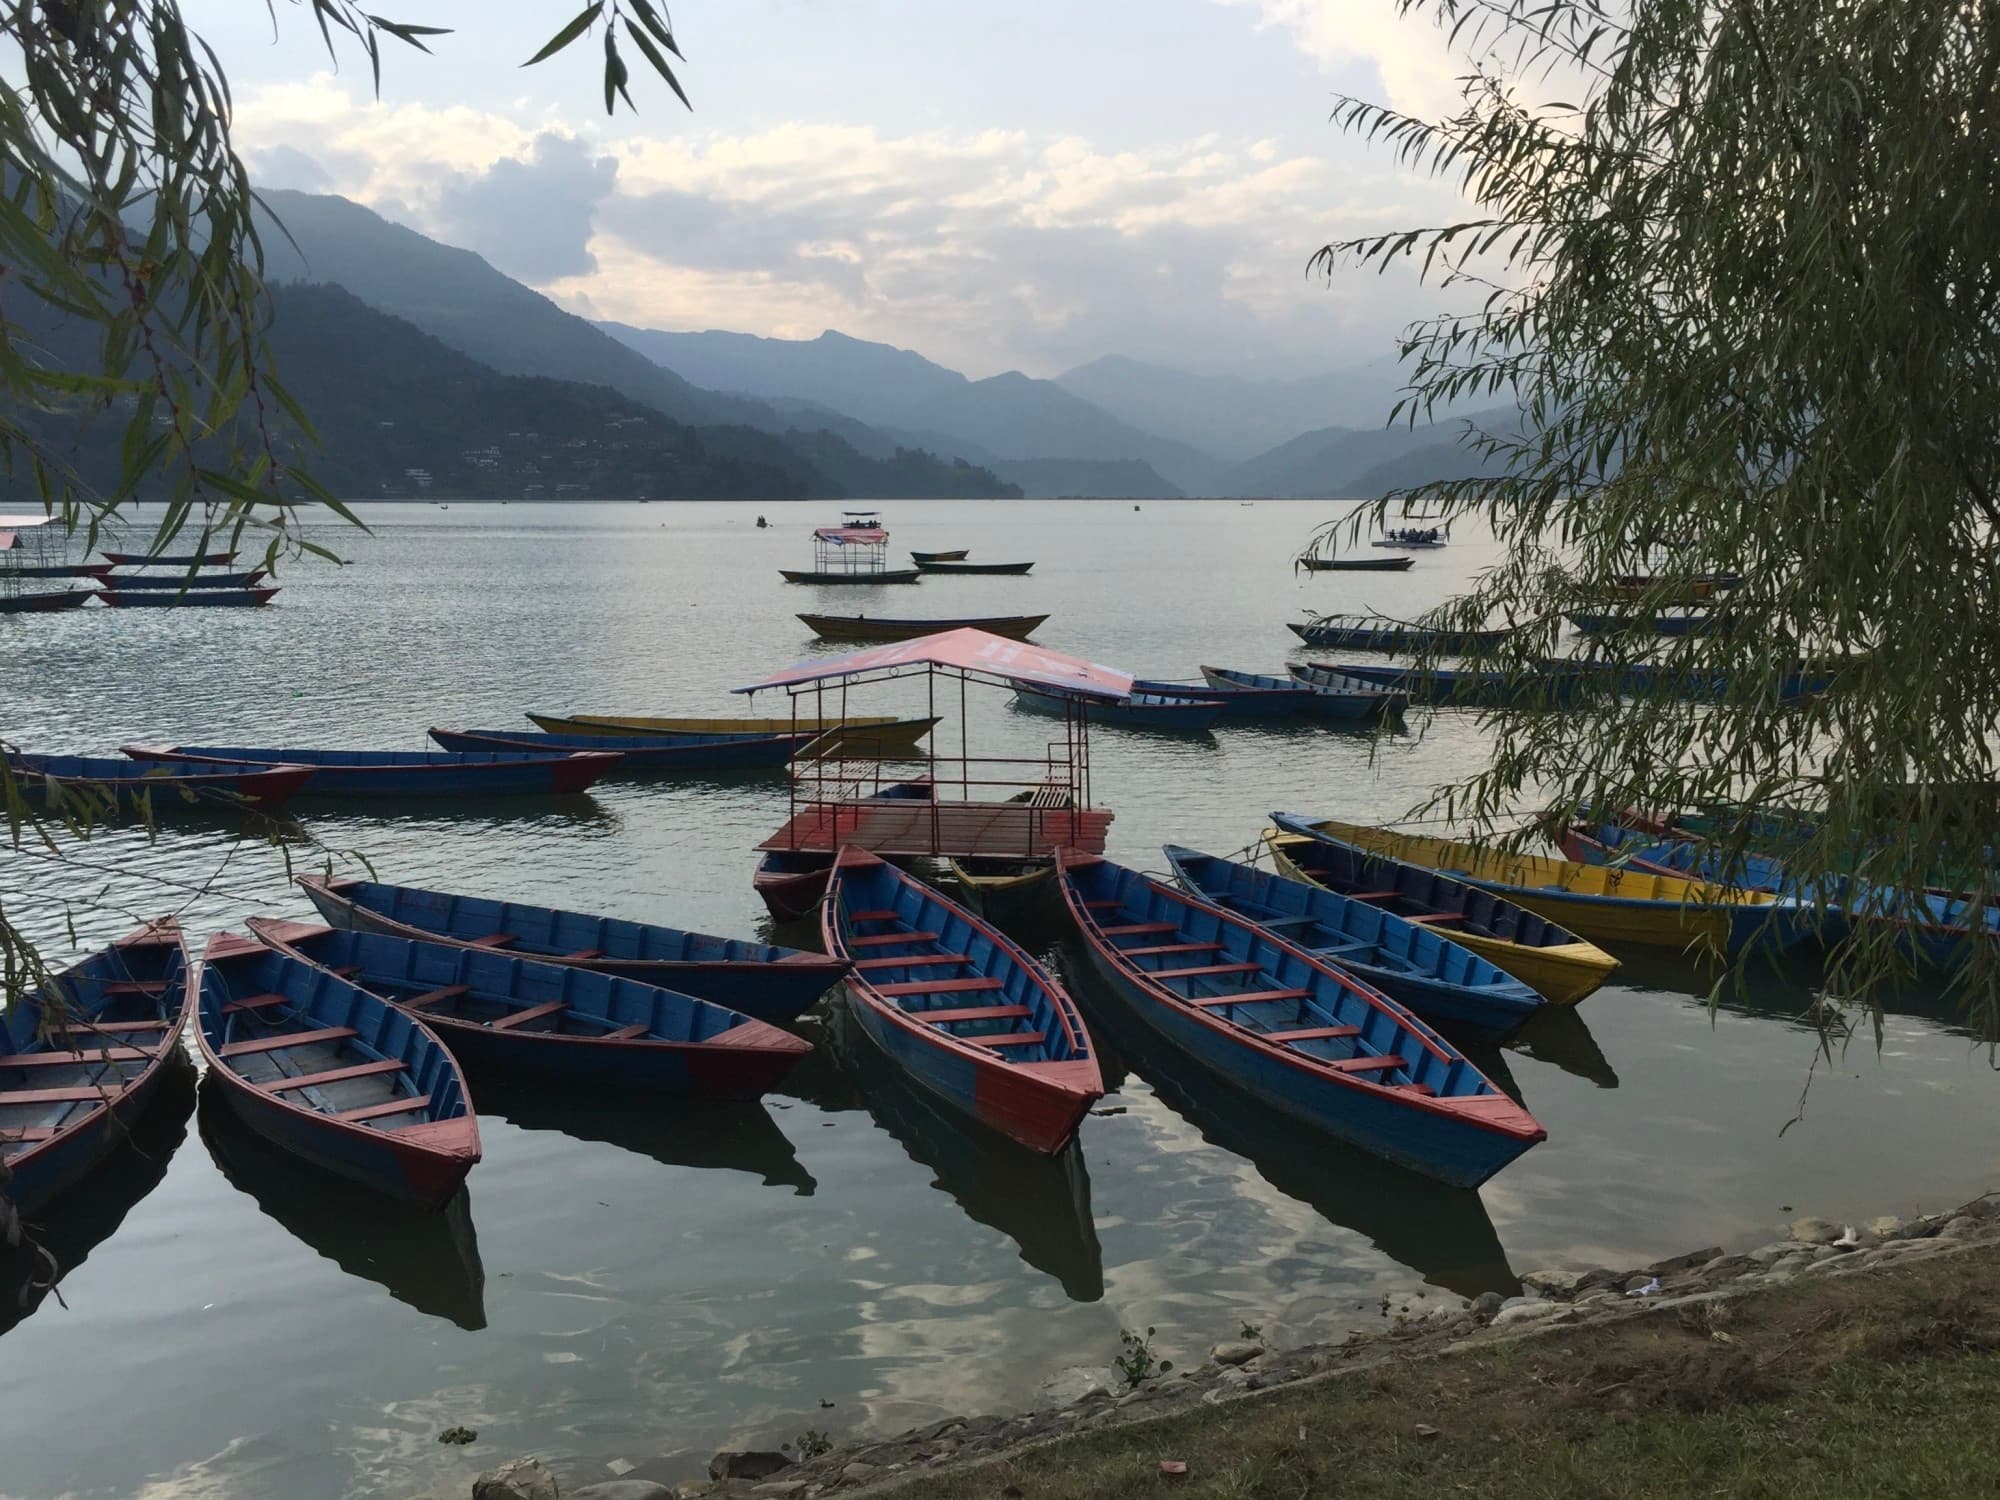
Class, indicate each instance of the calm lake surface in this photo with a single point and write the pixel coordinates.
(640, 1284)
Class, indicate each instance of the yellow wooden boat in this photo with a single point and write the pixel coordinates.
(1561, 966)
(1602, 902)
(858, 737)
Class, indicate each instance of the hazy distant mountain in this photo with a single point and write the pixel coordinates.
(1236, 418)
(1004, 418)
(1085, 478)
(1343, 462)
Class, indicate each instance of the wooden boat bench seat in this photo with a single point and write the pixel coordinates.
(883, 939)
(403, 1105)
(1102, 905)
(109, 1028)
(873, 916)
(1203, 969)
(333, 1075)
(532, 1013)
(1439, 916)
(288, 1039)
(1275, 922)
(255, 1002)
(1369, 1064)
(1249, 997)
(932, 960)
(74, 1094)
(1159, 948)
(1135, 929)
(11, 1135)
(938, 986)
(148, 987)
(1373, 895)
(494, 940)
(74, 1057)
(585, 953)
(1418, 1088)
(1312, 1034)
(1007, 1039)
(436, 996)
(345, 971)
(974, 1013)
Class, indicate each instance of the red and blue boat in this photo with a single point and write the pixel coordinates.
(1291, 1029)
(119, 598)
(1140, 710)
(1551, 686)
(173, 560)
(1329, 695)
(792, 882)
(89, 1049)
(761, 980)
(969, 1016)
(1410, 962)
(1377, 633)
(329, 1072)
(641, 752)
(406, 773)
(163, 784)
(1246, 697)
(566, 1022)
(189, 581)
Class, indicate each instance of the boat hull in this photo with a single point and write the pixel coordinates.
(174, 582)
(958, 556)
(44, 603)
(854, 738)
(881, 575)
(1394, 639)
(1012, 570)
(48, 777)
(192, 599)
(791, 883)
(393, 774)
(648, 753)
(861, 628)
(1171, 716)
(1357, 564)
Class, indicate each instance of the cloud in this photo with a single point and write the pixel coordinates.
(530, 216)
(1409, 52)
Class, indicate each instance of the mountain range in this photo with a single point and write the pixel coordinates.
(838, 416)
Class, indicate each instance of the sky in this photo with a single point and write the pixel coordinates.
(1022, 186)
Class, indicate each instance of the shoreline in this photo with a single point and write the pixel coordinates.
(1693, 1290)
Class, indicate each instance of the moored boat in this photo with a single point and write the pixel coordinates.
(192, 599)
(792, 882)
(1291, 1029)
(1549, 686)
(640, 752)
(854, 737)
(1687, 622)
(969, 1016)
(1410, 961)
(54, 570)
(1013, 569)
(1242, 698)
(1373, 633)
(405, 773)
(331, 1073)
(1333, 694)
(162, 784)
(190, 581)
(1357, 564)
(765, 982)
(1531, 947)
(1598, 902)
(45, 601)
(88, 1049)
(864, 628)
(959, 555)
(172, 559)
(531, 1017)
(1139, 711)
(829, 576)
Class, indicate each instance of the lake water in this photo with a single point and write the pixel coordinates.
(640, 1284)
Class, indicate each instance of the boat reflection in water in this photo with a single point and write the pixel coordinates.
(1558, 1036)
(429, 1260)
(1442, 1233)
(727, 1135)
(1041, 1203)
(74, 1223)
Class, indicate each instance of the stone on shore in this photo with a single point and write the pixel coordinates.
(1068, 1387)
(750, 1463)
(1486, 1304)
(1811, 1231)
(623, 1489)
(1235, 1352)
(517, 1479)
(1525, 1312)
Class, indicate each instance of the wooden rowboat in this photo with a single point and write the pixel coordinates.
(969, 1016)
(405, 773)
(1012, 569)
(792, 882)
(173, 560)
(859, 575)
(177, 581)
(88, 1050)
(958, 556)
(862, 628)
(192, 599)
(1291, 1029)
(44, 603)
(1411, 962)
(1372, 633)
(162, 785)
(856, 737)
(1527, 945)
(328, 1072)
(1357, 564)
(1607, 905)
(765, 982)
(57, 570)
(1329, 695)
(1139, 711)
(1243, 698)
(640, 752)
(528, 1017)
(1552, 686)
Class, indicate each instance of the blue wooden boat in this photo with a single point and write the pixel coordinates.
(551, 1019)
(967, 1014)
(1410, 962)
(190, 581)
(1270, 698)
(44, 603)
(1648, 679)
(1291, 1029)
(406, 773)
(173, 559)
(161, 784)
(88, 1050)
(762, 981)
(1335, 694)
(640, 752)
(1693, 622)
(1372, 633)
(58, 570)
(1456, 687)
(119, 598)
(1530, 947)
(1139, 711)
(322, 1068)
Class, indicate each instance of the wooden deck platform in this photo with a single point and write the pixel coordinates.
(955, 829)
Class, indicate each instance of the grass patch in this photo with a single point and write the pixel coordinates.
(1857, 1386)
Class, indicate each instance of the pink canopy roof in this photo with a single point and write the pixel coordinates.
(964, 650)
(849, 536)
